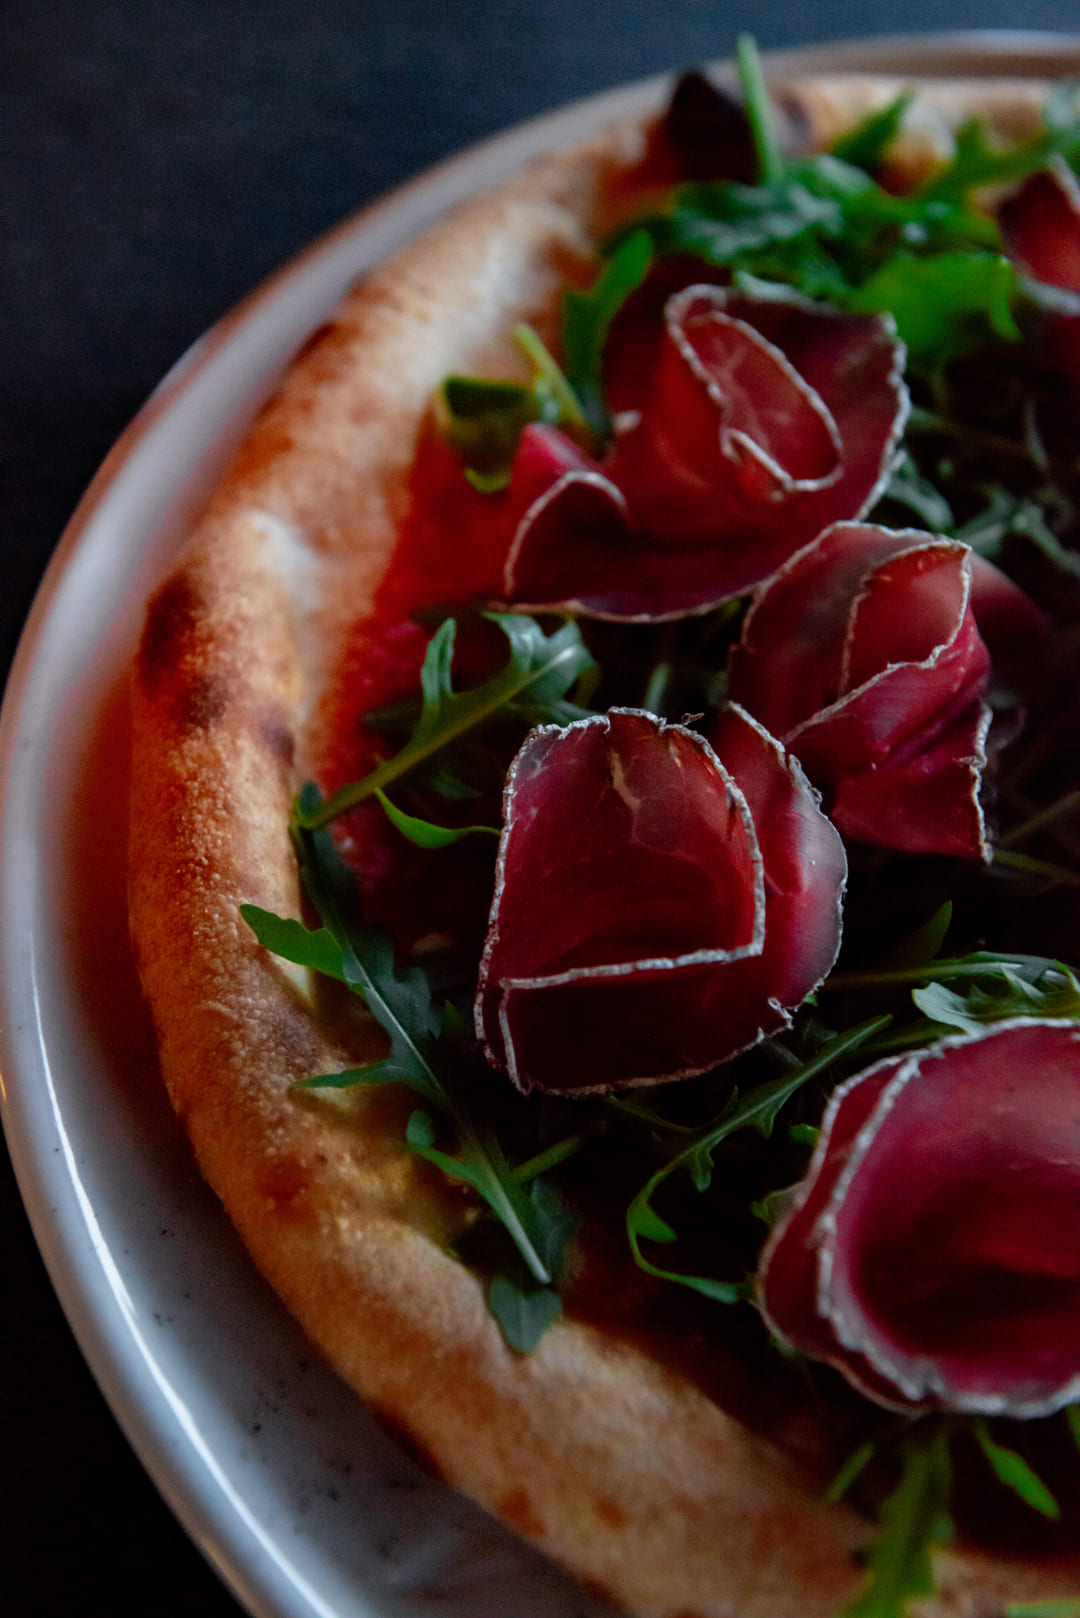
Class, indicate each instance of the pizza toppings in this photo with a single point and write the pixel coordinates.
(643, 927)
(933, 1254)
(762, 421)
(864, 657)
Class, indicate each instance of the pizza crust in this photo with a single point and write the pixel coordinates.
(618, 1466)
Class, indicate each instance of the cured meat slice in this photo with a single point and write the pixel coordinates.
(762, 422)
(642, 929)
(933, 1252)
(863, 655)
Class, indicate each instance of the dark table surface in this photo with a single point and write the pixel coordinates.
(163, 156)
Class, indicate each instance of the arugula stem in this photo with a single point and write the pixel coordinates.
(908, 1038)
(552, 1156)
(495, 1196)
(921, 420)
(856, 1463)
(1059, 810)
(534, 349)
(1012, 860)
(657, 688)
(759, 110)
(646, 1115)
(963, 966)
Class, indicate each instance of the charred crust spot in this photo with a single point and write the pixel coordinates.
(405, 1438)
(600, 1592)
(267, 443)
(170, 626)
(203, 702)
(277, 738)
(611, 1514)
(283, 1186)
(168, 660)
(315, 340)
(292, 1035)
(517, 1509)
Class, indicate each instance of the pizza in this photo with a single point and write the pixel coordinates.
(630, 652)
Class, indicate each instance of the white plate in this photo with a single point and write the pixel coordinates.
(299, 1500)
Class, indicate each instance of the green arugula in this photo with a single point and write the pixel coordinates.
(424, 1050)
(852, 1470)
(426, 833)
(758, 109)
(531, 689)
(482, 419)
(943, 305)
(757, 1110)
(977, 162)
(1039, 988)
(1011, 1469)
(822, 226)
(866, 145)
(907, 487)
(914, 1519)
(994, 987)
(587, 318)
(826, 230)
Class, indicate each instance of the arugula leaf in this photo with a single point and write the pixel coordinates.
(531, 688)
(977, 162)
(318, 950)
(980, 963)
(943, 305)
(866, 145)
(401, 1002)
(753, 227)
(482, 419)
(425, 833)
(914, 1519)
(524, 1309)
(587, 318)
(1048, 990)
(757, 1110)
(1011, 1469)
(923, 944)
(482, 422)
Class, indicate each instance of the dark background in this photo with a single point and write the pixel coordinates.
(159, 157)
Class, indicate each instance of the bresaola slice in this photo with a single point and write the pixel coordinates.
(766, 419)
(762, 422)
(1040, 224)
(644, 928)
(864, 657)
(933, 1252)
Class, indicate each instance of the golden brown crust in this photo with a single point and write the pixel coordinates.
(675, 1508)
